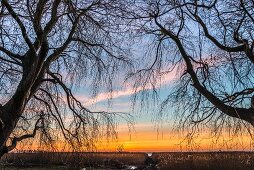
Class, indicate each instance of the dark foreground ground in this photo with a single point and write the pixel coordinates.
(126, 160)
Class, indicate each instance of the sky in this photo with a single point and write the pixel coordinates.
(149, 133)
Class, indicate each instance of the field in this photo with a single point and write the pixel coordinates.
(60, 160)
(127, 160)
(205, 160)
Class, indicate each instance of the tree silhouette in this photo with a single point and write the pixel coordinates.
(46, 48)
(210, 46)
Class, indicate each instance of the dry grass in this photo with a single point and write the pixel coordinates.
(205, 160)
(165, 161)
(75, 160)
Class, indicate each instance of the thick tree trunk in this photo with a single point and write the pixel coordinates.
(3, 138)
(13, 109)
(10, 114)
(4, 135)
(3, 148)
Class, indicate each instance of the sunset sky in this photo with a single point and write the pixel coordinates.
(150, 131)
(148, 134)
(135, 76)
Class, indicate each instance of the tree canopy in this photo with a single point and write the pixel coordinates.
(210, 45)
(49, 46)
(46, 48)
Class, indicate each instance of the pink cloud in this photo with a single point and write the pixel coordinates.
(165, 80)
(112, 95)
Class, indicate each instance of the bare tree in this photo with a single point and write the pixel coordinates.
(47, 46)
(210, 44)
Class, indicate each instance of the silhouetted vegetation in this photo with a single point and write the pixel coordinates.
(46, 49)
(164, 161)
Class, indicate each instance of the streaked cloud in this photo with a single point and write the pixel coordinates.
(128, 91)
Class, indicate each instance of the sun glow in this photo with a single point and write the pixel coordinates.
(146, 139)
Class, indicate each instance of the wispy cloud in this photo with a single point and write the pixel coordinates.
(130, 90)
(112, 95)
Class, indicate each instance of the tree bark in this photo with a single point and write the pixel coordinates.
(13, 109)
(10, 114)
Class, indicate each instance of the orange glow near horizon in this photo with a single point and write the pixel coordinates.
(146, 139)
(153, 141)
